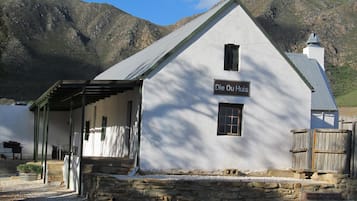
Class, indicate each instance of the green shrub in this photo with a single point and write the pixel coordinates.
(29, 168)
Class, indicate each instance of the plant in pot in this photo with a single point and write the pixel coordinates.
(28, 171)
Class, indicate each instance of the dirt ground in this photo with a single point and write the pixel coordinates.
(14, 189)
(348, 112)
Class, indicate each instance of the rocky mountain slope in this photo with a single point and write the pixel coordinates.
(290, 22)
(42, 41)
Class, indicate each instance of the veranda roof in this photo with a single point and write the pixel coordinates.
(63, 92)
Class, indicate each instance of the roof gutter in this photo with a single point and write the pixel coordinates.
(44, 97)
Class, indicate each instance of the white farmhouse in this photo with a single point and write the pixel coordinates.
(215, 94)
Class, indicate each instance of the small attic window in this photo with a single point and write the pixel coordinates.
(231, 57)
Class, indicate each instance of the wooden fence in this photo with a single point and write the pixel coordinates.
(322, 150)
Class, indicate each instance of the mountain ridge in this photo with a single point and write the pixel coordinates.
(42, 41)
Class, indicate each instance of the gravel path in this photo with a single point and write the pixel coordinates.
(13, 189)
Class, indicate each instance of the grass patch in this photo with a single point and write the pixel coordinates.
(343, 79)
(347, 100)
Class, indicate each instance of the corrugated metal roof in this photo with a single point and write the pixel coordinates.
(65, 94)
(140, 63)
(322, 98)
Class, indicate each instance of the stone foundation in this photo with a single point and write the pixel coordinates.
(184, 188)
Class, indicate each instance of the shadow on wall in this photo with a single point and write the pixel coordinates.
(181, 133)
(118, 136)
(73, 172)
(175, 136)
(118, 142)
(118, 139)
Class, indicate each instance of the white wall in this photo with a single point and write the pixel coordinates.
(16, 124)
(115, 143)
(58, 131)
(179, 125)
(74, 173)
(316, 52)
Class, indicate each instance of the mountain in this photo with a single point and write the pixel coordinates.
(289, 23)
(42, 41)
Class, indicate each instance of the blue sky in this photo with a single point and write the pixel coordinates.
(162, 12)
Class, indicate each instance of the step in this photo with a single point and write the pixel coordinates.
(107, 165)
(110, 161)
(315, 196)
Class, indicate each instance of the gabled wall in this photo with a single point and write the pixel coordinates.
(179, 118)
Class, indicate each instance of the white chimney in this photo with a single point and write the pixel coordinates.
(313, 50)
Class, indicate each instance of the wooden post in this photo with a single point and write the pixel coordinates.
(81, 145)
(35, 134)
(310, 148)
(46, 140)
(313, 154)
(43, 135)
(38, 130)
(70, 144)
(353, 167)
(140, 102)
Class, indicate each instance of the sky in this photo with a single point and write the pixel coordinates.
(161, 12)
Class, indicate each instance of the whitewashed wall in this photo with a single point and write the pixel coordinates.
(322, 119)
(58, 131)
(179, 125)
(16, 124)
(115, 109)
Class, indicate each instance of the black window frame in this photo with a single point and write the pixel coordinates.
(230, 118)
(231, 57)
(86, 130)
(104, 128)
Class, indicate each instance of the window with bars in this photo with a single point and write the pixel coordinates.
(231, 57)
(230, 119)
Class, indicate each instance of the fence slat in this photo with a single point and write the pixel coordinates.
(301, 150)
(326, 150)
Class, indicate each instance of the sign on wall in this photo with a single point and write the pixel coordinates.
(233, 88)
